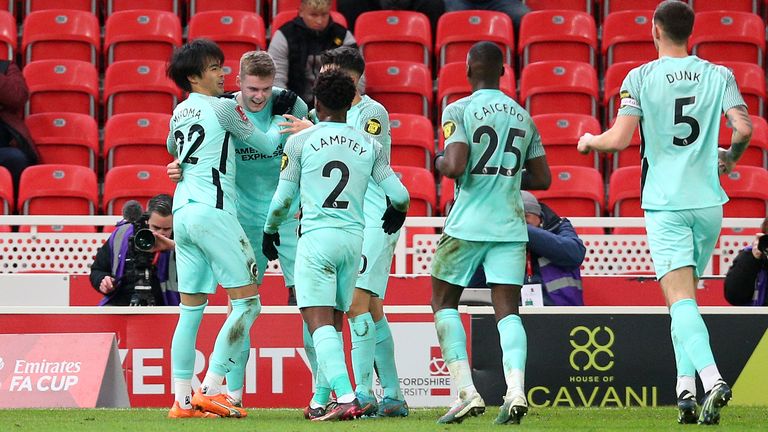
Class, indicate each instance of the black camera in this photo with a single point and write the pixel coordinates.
(762, 245)
(139, 260)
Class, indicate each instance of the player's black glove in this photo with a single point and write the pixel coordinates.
(434, 160)
(283, 103)
(393, 220)
(268, 243)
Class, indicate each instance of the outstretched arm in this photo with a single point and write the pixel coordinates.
(739, 121)
(615, 139)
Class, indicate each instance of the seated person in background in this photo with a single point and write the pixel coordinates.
(746, 282)
(555, 254)
(297, 45)
(115, 272)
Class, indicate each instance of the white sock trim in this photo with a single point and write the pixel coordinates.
(709, 377)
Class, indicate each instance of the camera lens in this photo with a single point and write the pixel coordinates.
(144, 240)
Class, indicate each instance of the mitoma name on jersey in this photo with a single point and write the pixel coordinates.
(187, 112)
(340, 140)
(683, 76)
(493, 108)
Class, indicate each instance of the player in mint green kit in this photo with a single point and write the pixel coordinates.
(330, 164)
(678, 101)
(492, 149)
(211, 246)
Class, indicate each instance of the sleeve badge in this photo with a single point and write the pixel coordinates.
(240, 111)
(283, 162)
(449, 128)
(373, 126)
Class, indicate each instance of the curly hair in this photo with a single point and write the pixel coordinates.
(335, 90)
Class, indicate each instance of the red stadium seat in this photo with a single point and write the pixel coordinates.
(139, 86)
(8, 6)
(413, 140)
(757, 151)
(452, 84)
(58, 190)
(421, 186)
(627, 37)
(394, 35)
(283, 5)
(561, 132)
(558, 35)
(751, 6)
(65, 138)
(159, 5)
(630, 156)
(137, 182)
(288, 15)
(402, 87)
(624, 197)
(751, 80)
(7, 36)
(747, 192)
(136, 139)
(559, 86)
(575, 192)
(725, 36)
(62, 86)
(447, 194)
(613, 6)
(91, 6)
(458, 31)
(235, 31)
(197, 6)
(231, 69)
(61, 34)
(6, 192)
(576, 5)
(612, 81)
(141, 35)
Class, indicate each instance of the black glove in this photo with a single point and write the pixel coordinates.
(434, 160)
(283, 103)
(268, 243)
(393, 220)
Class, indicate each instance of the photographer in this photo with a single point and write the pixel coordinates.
(134, 268)
(746, 282)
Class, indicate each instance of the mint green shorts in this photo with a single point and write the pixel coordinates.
(376, 260)
(682, 238)
(456, 260)
(286, 251)
(326, 270)
(211, 248)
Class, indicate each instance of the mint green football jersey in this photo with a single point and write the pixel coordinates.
(257, 172)
(202, 131)
(332, 163)
(372, 119)
(501, 136)
(680, 102)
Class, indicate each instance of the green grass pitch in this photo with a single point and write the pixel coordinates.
(282, 420)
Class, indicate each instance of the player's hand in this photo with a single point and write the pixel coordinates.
(107, 285)
(755, 251)
(393, 220)
(163, 243)
(173, 170)
(724, 164)
(283, 103)
(583, 145)
(294, 124)
(268, 245)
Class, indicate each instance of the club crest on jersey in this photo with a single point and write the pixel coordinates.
(449, 128)
(373, 127)
(283, 162)
(240, 111)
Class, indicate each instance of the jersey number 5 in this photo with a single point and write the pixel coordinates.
(480, 168)
(330, 201)
(690, 121)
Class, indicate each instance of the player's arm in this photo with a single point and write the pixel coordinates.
(615, 139)
(738, 119)
(453, 160)
(287, 187)
(400, 200)
(233, 119)
(536, 174)
(170, 145)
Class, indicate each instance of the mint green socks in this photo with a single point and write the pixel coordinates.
(330, 356)
(229, 343)
(363, 333)
(184, 338)
(514, 348)
(690, 331)
(453, 344)
(384, 357)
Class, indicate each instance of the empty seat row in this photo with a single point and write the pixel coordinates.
(608, 7)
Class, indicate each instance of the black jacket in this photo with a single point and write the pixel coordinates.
(741, 278)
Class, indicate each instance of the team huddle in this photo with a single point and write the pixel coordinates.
(260, 178)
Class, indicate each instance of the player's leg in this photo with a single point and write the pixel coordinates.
(393, 403)
(363, 334)
(504, 267)
(452, 267)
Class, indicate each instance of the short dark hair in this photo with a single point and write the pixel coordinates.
(335, 90)
(676, 20)
(345, 57)
(191, 59)
(161, 204)
(764, 226)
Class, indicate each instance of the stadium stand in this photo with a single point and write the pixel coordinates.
(160, 5)
(627, 37)
(576, 5)
(139, 86)
(402, 87)
(452, 84)
(560, 133)
(62, 85)
(196, 6)
(751, 6)
(727, 36)
(557, 35)
(575, 191)
(136, 138)
(91, 6)
(612, 6)
(559, 86)
(747, 192)
(8, 36)
(6, 192)
(235, 31)
(65, 138)
(624, 197)
(134, 182)
(612, 81)
(141, 35)
(413, 140)
(458, 31)
(61, 34)
(421, 185)
(394, 35)
(751, 80)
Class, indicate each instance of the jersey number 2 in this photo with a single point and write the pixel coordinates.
(480, 168)
(330, 201)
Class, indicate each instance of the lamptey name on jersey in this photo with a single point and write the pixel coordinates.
(340, 140)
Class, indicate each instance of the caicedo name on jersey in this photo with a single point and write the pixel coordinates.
(250, 154)
(339, 140)
(497, 107)
(187, 113)
(683, 76)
